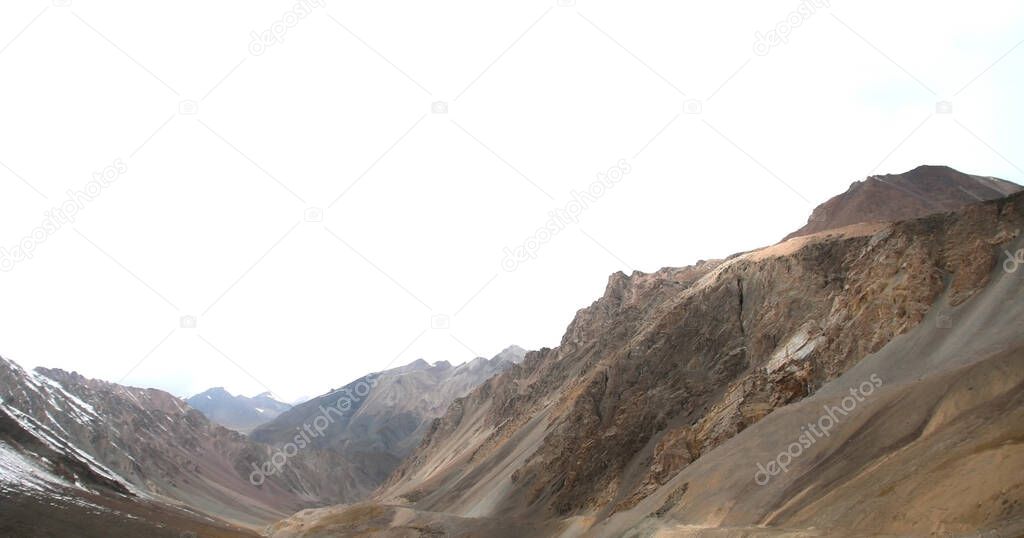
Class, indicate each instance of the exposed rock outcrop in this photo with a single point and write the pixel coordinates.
(666, 367)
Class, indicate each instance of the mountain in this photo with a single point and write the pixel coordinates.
(124, 461)
(380, 418)
(862, 378)
(238, 413)
(50, 488)
(891, 197)
(168, 453)
(674, 402)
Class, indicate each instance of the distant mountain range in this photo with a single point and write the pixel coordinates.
(386, 414)
(238, 413)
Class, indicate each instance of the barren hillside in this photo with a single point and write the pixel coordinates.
(691, 372)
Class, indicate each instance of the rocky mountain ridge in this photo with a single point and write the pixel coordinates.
(45, 478)
(915, 193)
(668, 409)
(379, 419)
(666, 368)
(153, 453)
(157, 443)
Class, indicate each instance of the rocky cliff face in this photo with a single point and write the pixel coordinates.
(891, 197)
(666, 367)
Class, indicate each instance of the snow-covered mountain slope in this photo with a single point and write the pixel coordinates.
(157, 446)
(49, 487)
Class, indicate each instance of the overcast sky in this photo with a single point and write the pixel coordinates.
(332, 189)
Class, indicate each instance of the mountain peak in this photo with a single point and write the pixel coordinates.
(915, 193)
(932, 168)
(214, 391)
(238, 413)
(414, 366)
(512, 353)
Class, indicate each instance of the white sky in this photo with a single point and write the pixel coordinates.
(208, 220)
